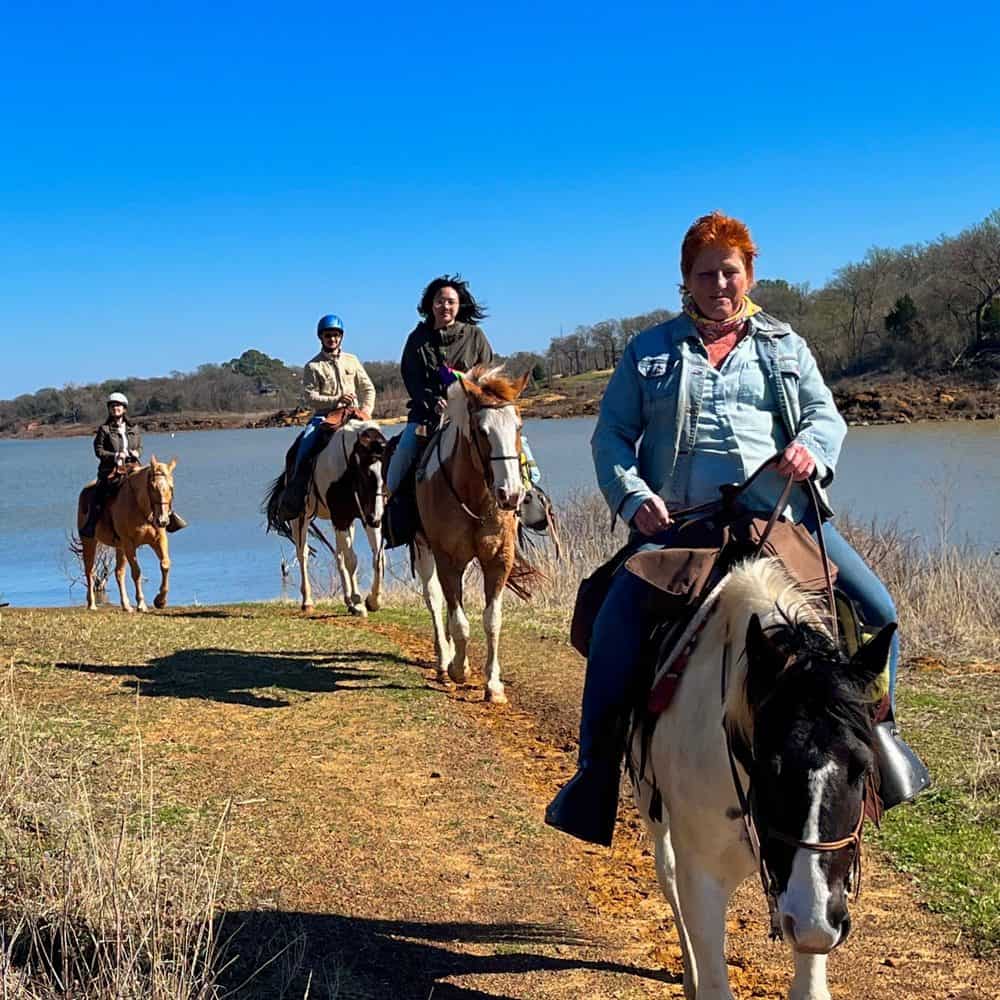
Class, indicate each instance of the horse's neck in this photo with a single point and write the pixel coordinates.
(463, 466)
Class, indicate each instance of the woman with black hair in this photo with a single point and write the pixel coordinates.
(447, 340)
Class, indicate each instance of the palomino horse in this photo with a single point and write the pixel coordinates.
(766, 679)
(137, 515)
(346, 485)
(468, 489)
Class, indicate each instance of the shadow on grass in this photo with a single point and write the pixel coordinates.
(236, 677)
(351, 957)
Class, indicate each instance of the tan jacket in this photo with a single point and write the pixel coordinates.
(325, 379)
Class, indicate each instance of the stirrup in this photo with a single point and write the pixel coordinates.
(903, 775)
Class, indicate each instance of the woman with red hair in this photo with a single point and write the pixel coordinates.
(695, 403)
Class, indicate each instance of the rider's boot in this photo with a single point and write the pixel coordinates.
(903, 775)
(176, 522)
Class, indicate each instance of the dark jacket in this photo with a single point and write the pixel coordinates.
(107, 444)
(461, 346)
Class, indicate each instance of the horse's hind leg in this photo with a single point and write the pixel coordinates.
(300, 535)
(162, 550)
(347, 567)
(133, 561)
(120, 562)
(89, 557)
(426, 568)
(374, 599)
(493, 584)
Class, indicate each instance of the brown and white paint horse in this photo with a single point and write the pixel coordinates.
(136, 515)
(347, 485)
(469, 487)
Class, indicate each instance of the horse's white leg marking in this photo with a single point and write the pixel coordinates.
(703, 901)
(133, 561)
(810, 978)
(458, 624)
(300, 532)
(374, 599)
(120, 562)
(492, 620)
(666, 873)
(434, 599)
(804, 903)
(347, 566)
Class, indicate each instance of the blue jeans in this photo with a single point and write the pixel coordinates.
(307, 442)
(403, 458)
(612, 665)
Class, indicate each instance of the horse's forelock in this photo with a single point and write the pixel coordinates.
(495, 387)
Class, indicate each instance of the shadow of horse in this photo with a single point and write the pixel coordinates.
(352, 957)
(236, 677)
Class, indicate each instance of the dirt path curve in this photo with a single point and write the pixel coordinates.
(388, 835)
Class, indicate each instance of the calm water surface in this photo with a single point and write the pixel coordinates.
(928, 478)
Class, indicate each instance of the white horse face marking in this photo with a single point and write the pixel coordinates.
(500, 426)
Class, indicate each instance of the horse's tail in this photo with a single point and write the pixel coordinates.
(272, 501)
(523, 576)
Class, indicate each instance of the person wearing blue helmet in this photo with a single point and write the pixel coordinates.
(333, 382)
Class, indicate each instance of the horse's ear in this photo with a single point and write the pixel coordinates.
(152, 460)
(765, 660)
(521, 382)
(870, 660)
(171, 465)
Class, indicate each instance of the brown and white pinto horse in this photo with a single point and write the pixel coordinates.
(346, 485)
(469, 487)
(137, 515)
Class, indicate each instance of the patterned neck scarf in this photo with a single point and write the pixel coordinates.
(712, 329)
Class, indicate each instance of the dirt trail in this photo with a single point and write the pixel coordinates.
(390, 832)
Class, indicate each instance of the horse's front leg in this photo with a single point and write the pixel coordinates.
(493, 584)
(810, 978)
(300, 536)
(374, 599)
(347, 567)
(120, 563)
(89, 556)
(160, 546)
(450, 575)
(133, 561)
(426, 568)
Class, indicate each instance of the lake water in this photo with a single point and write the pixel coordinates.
(928, 478)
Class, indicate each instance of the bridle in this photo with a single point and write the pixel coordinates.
(369, 521)
(155, 494)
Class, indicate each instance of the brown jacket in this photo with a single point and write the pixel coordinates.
(108, 445)
(326, 378)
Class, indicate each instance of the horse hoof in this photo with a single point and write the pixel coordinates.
(372, 605)
(358, 610)
(159, 602)
(459, 676)
(495, 697)
(443, 678)
(308, 607)
(129, 610)
(142, 609)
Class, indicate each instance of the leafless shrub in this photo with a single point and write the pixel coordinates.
(73, 570)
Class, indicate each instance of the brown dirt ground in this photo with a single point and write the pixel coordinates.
(389, 832)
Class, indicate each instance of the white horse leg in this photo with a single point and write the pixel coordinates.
(458, 624)
(300, 534)
(434, 599)
(810, 978)
(347, 567)
(703, 900)
(374, 599)
(133, 561)
(666, 873)
(120, 579)
(492, 620)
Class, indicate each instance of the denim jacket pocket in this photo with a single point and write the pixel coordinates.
(753, 387)
(659, 379)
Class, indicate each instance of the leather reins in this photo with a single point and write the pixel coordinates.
(354, 486)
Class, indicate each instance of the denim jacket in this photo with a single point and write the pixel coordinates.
(654, 398)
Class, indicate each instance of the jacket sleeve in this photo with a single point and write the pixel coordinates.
(821, 427)
(414, 373)
(311, 389)
(137, 450)
(102, 449)
(613, 445)
(484, 348)
(366, 390)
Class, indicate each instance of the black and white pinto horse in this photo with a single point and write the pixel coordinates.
(347, 485)
(765, 672)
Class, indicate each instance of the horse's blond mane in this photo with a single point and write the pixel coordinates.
(497, 388)
(764, 588)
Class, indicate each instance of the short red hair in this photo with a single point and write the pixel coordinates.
(717, 230)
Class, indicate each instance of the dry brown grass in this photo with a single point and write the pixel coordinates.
(95, 903)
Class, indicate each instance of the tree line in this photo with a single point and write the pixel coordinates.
(916, 308)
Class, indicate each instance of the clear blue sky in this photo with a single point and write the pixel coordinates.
(182, 182)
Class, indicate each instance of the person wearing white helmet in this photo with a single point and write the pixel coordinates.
(117, 444)
(333, 382)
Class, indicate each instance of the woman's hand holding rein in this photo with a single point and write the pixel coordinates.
(652, 517)
(796, 462)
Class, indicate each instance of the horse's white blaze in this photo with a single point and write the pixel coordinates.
(501, 426)
(806, 898)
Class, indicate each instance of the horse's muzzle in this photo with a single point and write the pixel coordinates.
(508, 500)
